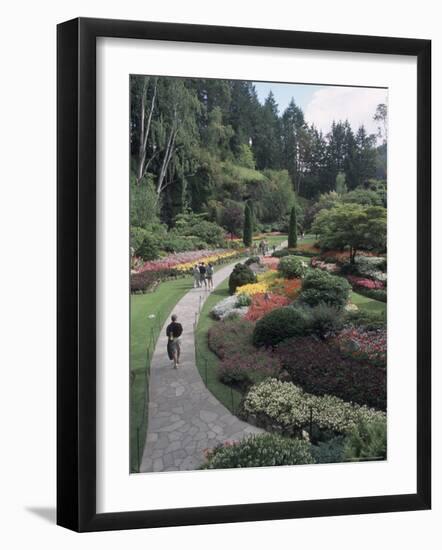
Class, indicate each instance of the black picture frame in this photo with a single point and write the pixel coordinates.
(76, 274)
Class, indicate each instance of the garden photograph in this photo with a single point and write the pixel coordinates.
(258, 274)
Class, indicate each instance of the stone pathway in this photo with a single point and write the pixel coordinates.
(184, 417)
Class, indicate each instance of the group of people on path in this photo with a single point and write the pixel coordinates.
(203, 276)
(263, 248)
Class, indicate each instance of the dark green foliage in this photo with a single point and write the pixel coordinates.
(241, 275)
(291, 267)
(259, 450)
(367, 440)
(248, 227)
(325, 320)
(252, 260)
(280, 324)
(329, 452)
(321, 287)
(292, 237)
(281, 253)
(149, 248)
(367, 320)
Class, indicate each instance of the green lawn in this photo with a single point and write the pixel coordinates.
(206, 361)
(368, 304)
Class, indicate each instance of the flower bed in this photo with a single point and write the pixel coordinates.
(285, 407)
(258, 450)
(325, 266)
(363, 282)
(287, 287)
(270, 262)
(252, 289)
(363, 345)
(185, 261)
(245, 369)
(263, 303)
(226, 338)
(321, 368)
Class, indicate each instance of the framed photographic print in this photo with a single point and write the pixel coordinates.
(243, 274)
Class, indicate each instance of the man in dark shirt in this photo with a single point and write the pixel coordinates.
(174, 331)
(203, 271)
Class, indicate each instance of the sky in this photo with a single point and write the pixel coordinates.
(323, 104)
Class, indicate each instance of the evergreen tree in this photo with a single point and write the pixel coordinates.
(292, 238)
(248, 227)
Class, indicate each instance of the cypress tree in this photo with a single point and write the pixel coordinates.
(292, 239)
(248, 227)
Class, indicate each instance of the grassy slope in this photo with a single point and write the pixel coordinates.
(368, 304)
(206, 360)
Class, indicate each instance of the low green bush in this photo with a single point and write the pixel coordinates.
(252, 260)
(325, 320)
(244, 300)
(283, 404)
(281, 253)
(329, 452)
(369, 320)
(279, 324)
(259, 450)
(291, 267)
(367, 440)
(322, 287)
(241, 275)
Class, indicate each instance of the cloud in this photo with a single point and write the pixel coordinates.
(357, 105)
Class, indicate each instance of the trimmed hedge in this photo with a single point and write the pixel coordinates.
(280, 324)
(241, 275)
(291, 267)
(321, 287)
(259, 450)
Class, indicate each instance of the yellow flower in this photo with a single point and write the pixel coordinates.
(252, 288)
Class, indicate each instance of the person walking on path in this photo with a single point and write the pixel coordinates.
(174, 331)
(209, 276)
(196, 276)
(203, 273)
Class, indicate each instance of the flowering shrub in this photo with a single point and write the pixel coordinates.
(287, 287)
(246, 369)
(362, 345)
(144, 281)
(361, 282)
(252, 288)
(263, 303)
(342, 256)
(267, 277)
(225, 339)
(258, 450)
(270, 262)
(291, 267)
(321, 368)
(325, 266)
(289, 407)
(223, 308)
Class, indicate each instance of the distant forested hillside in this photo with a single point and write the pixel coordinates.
(205, 147)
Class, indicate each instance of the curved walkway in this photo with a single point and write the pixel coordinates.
(184, 417)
